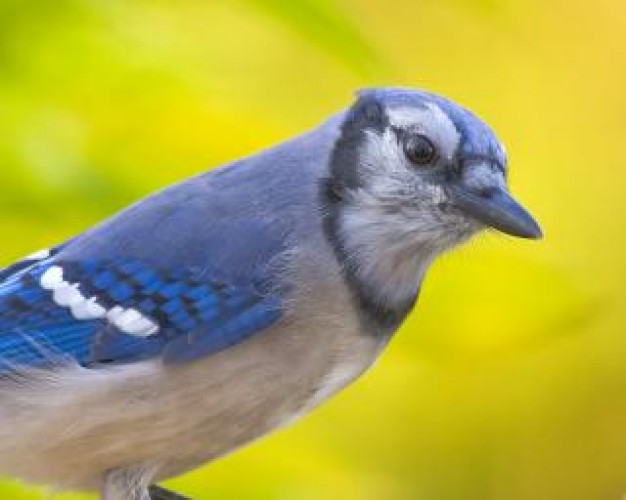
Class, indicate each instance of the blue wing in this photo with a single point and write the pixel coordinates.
(122, 310)
(184, 273)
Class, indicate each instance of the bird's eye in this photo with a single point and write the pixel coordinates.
(419, 150)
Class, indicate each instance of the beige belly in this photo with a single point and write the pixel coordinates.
(171, 419)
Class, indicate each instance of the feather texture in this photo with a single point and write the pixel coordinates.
(122, 310)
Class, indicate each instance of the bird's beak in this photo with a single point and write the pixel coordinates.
(496, 208)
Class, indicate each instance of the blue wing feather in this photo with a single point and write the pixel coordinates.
(46, 345)
(201, 259)
(195, 318)
(196, 345)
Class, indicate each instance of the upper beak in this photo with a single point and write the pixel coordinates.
(496, 208)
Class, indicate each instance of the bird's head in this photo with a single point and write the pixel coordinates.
(413, 174)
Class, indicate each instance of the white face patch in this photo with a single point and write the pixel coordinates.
(394, 227)
(66, 294)
(431, 121)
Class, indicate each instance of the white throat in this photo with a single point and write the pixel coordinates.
(388, 256)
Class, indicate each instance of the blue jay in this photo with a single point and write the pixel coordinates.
(232, 303)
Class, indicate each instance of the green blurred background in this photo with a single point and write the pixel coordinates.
(509, 381)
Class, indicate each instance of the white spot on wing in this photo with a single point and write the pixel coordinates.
(129, 317)
(52, 278)
(88, 309)
(145, 328)
(66, 294)
(133, 322)
(114, 313)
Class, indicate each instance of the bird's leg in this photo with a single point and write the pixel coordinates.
(125, 484)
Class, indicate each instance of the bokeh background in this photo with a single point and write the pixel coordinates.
(509, 380)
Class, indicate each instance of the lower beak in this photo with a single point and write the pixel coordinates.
(495, 208)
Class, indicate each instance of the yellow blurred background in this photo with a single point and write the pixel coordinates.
(509, 380)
